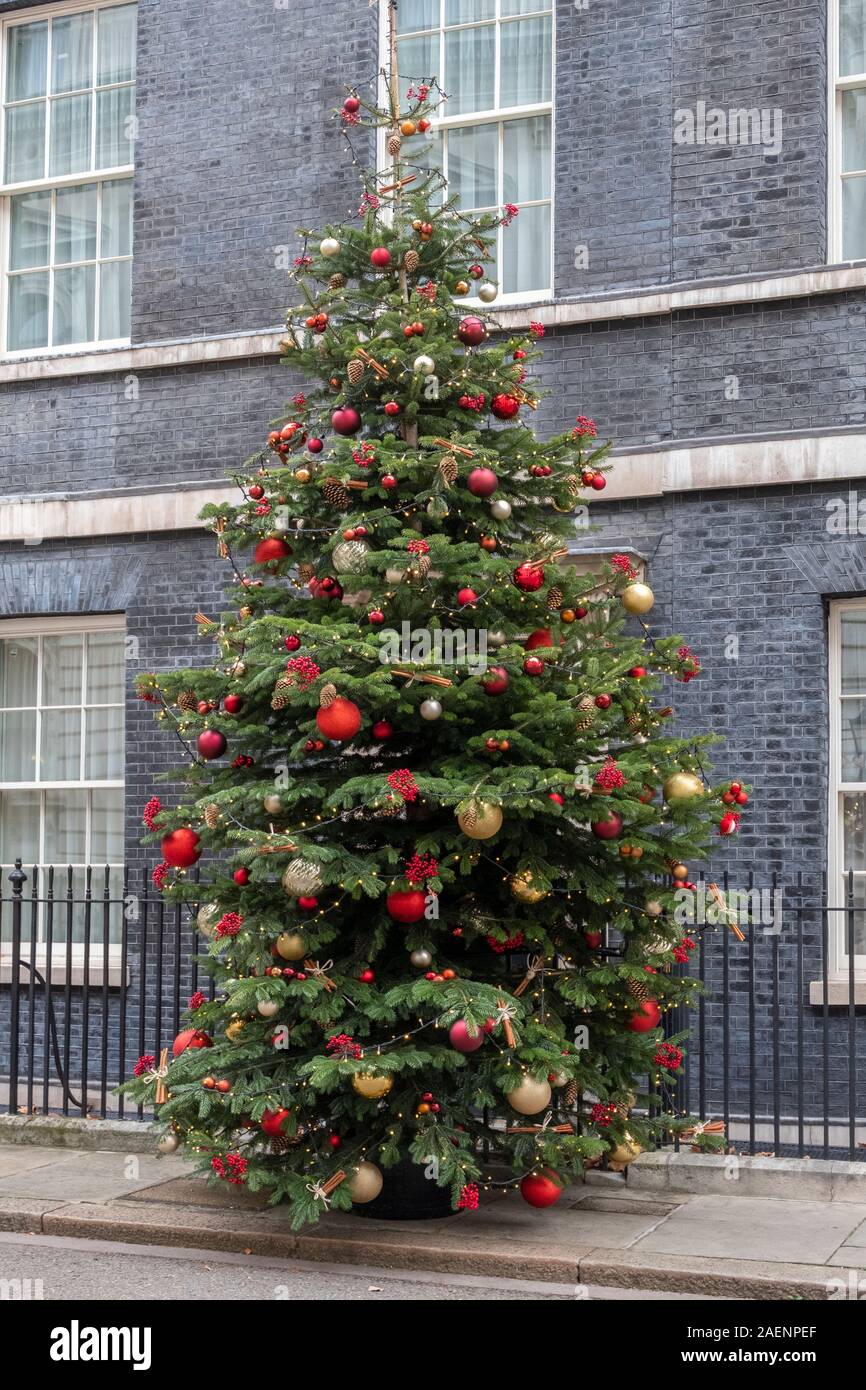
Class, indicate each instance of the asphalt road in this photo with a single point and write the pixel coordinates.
(53, 1268)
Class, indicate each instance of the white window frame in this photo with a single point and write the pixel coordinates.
(7, 191)
(838, 963)
(495, 116)
(46, 627)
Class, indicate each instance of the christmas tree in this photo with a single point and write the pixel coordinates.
(438, 816)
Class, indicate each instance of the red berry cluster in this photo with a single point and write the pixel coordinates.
(468, 1200)
(341, 1045)
(585, 428)
(681, 952)
(668, 1056)
(602, 1115)
(365, 455)
(160, 874)
(623, 563)
(609, 776)
(402, 782)
(196, 1000)
(145, 1063)
(242, 760)
(151, 811)
(421, 867)
(541, 470)
(303, 671)
(690, 667)
(511, 943)
(472, 402)
(233, 1168)
(229, 924)
(418, 547)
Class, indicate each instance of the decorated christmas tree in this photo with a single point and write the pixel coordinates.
(437, 815)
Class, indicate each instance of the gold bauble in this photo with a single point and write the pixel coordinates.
(350, 557)
(680, 871)
(365, 1183)
(682, 786)
(530, 1096)
(637, 598)
(521, 887)
(653, 908)
(371, 1087)
(302, 475)
(559, 1078)
(302, 878)
(234, 1030)
(207, 918)
(481, 820)
(268, 1008)
(626, 1151)
(273, 804)
(168, 1143)
(291, 946)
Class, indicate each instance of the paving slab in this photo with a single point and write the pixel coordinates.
(86, 1176)
(715, 1277)
(771, 1229)
(22, 1160)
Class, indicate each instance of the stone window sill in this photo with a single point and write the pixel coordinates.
(838, 992)
(101, 971)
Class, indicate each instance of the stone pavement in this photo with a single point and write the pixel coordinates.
(601, 1233)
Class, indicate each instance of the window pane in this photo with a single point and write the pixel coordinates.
(70, 135)
(65, 828)
(62, 669)
(526, 159)
(854, 827)
(116, 224)
(75, 224)
(417, 14)
(19, 827)
(525, 48)
(18, 746)
(841, 919)
(18, 671)
(854, 130)
(25, 142)
(854, 219)
(853, 721)
(426, 152)
(115, 299)
(103, 758)
(854, 652)
(72, 53)
(116, 45)
(509, 7)
(852, 36)
(465, 11)
(114, 127)
(473, 155)
(469, 69)
(27, 61)
(105, 668)
(28, 311)
(106, 828)
(74, 305)
(527, 251)
(61, 746)
(30, 230)
(418, 60)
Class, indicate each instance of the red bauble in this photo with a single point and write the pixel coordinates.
(603, 701)
(292, 642)
(495, 680)
(471, 331)
(636, 672)
(382, 729)
(272, 548)
(211, 744)
(557, 798)
(341, 720)
(608, 829)
(190, 1037)
(482, 481)
(315, 445)
(181, 848)
(380, 257)
(461, 1039)
(233, 704)
(241, 877)
(466, 596)
(351, 104)
(334, 1141)
(542, 1189)
(388, 480)
(275, 1122)
(257, 492)
(528, 577)
(392, 408)
(533, 666)
(376, 617)
(346, 420)
(646, 1018)
(599, 482)
(540, 638)
(504, 407)
(367, 976)
(407, 905)
(593, 939)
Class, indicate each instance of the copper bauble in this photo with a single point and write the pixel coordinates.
(530, 1097)
(481, 820)
(371, 1087)
(637, 598)
(365, 1184)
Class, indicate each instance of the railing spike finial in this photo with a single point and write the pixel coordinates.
(17, 878)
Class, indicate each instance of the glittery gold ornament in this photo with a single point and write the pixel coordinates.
(234, 1030)
(480, 820)
(521, 887)
(682, 786)
(291, 946)
(207, 917)
(302, 878)
(350, 557)
(371, 1087)
(637, 598)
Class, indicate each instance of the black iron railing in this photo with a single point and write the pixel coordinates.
(96, 969)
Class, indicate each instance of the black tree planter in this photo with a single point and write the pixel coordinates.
(407, 1196)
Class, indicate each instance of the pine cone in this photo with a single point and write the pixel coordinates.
(355, 370)
(411, 261)
(448, 469)
(581, 725)
(571, 1095)
(327, 696)
(211, 816)
(335, 493)
(394, 145)
(585, 702)
(306, 573)
(282, 693)
(554, 598)
(337, 281)
(639, 990)
(186, 700)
